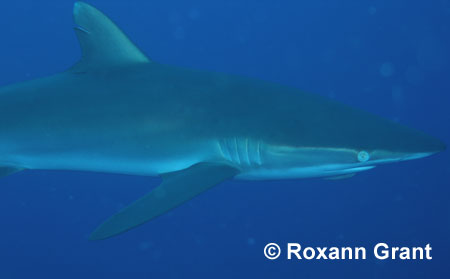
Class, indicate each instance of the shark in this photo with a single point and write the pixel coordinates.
(118, 111)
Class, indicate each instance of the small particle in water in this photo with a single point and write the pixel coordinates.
(145, 245)
(251, 241)
(332, 94)
(387, 69)
(175, 18)
(156, 255)
(223, 226)
(194, 14)
(431, 54)
(372, 10)
(397, 94)
(179, 33)
(414, 75)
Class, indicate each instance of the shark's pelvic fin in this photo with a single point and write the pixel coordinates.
(175, 189)
(102, 43)
(4, 171)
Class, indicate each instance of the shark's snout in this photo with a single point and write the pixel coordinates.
(409, 145)
(433, 146)
(436, 146)
(425, 144)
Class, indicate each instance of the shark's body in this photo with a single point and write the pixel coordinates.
(117, 111)
(151, 119)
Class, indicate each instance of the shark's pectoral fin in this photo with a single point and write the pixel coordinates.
(102, 43)
(4, 171)
(175, 189)
(342, 176)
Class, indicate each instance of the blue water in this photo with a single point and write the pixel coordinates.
(391, 58)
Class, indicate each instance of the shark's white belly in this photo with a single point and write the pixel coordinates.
(256, 160)
(148, 162)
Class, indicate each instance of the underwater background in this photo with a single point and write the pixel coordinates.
(391, 58)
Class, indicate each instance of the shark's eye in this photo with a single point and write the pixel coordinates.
(363, 156)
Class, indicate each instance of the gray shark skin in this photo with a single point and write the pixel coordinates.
(117, 111)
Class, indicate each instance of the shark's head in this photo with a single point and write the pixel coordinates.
(351, 142)
(400, 145)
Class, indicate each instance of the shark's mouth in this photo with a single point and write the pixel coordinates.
(302, 172)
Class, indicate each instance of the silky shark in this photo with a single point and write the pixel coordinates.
(118, 111)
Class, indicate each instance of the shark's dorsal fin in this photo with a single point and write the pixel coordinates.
(103, 44)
